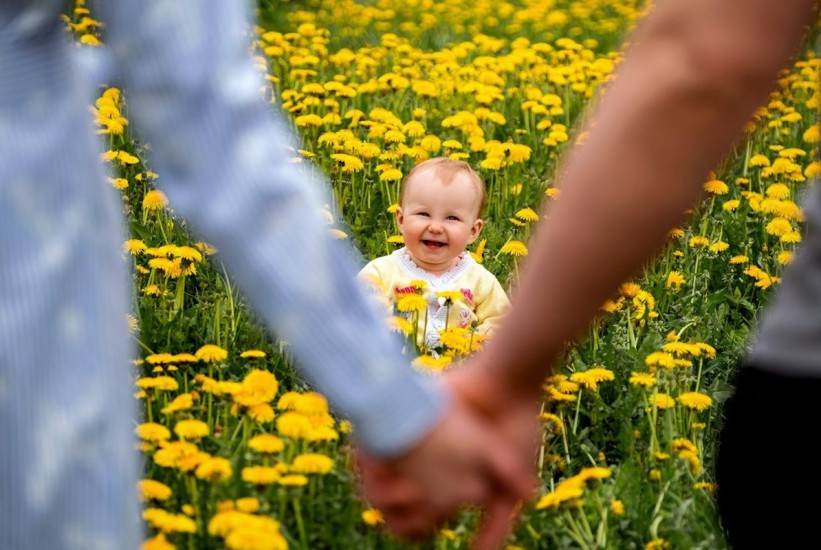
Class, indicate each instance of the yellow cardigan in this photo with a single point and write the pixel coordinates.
(481, 302)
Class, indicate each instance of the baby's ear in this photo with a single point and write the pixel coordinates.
(476, 229)
(400, 217)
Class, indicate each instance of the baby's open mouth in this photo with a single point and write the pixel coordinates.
(433, 244)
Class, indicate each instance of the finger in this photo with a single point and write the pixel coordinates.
(499, 516)
(512, 471)
(392, 492)
(410, 522)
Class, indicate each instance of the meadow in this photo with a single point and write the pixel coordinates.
(239, 452)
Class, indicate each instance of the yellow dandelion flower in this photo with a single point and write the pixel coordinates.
(514, 248)
(211, 353)
(372, 517)
(429, 362)
(739, 259)
(658, 543)
(779, 227)
(654, 475)
(643, 379)
(154, 200)
(258, 386)
(698, 242)
(293, 480)
(160, 383)
(158, 542)
(260, 475)
(400, 324)
(675, 280)
(149, 489)
(266, 443)
(249, 505)
(215, 469)
(791, 237)
(261, 412)
(660, 359)
(555, 395)
(553, 421)
(312, 463)
(391, 174)
(716, 187)
(785, 257)
(731, 205)
(663, 401)
(718, 247)
(118, 183)
(90, 40)
(695, 400)
(617, 508)
(191, 429)
(168, 522)
(813, 169)
(308, 120)
(160, 358)
(528, 215)
(704, 486)
(252, 354)
(778, 191)
(348, 163)
(182, 402)
(412, 302)
(134, 246)
(758, 160)
(293, 425)
(629, 290)
(479, 252)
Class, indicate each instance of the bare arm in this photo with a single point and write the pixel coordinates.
(695, 72)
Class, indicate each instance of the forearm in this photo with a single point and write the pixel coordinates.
(677, 104)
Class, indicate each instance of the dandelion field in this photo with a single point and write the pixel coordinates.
(238, 452)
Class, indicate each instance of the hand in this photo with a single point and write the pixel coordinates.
(515, 418)
(464, 460)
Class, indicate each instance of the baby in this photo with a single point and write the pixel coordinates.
(440, 204)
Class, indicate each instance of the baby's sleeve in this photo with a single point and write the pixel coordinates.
(373, 281)
(490, 311)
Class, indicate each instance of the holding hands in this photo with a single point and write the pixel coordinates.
(481, 454)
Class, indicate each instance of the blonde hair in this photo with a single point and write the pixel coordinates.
(447, 168)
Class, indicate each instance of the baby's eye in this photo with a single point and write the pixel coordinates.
(453, 218)
(424, 214)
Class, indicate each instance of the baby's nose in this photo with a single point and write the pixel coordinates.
(435, 227)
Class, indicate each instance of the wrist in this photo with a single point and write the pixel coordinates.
(491, 390)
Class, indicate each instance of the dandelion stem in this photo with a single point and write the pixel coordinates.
(578, 406)
(303, 537)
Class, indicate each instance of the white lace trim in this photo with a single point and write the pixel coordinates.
(405, 262)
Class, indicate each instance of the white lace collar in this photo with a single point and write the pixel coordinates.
(403, 257)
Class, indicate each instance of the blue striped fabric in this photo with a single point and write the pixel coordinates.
(67, 462)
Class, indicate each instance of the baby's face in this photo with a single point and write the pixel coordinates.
(438, 219)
